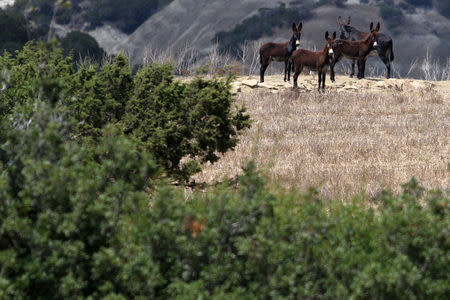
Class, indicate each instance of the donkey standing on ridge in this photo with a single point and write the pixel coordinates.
(384, 49)
(314, 61)
(279, 51)
(357, 50)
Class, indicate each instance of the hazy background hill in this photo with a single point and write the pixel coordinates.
(187, 23)
(201, 27)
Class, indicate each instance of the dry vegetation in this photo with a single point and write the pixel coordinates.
(358, 136)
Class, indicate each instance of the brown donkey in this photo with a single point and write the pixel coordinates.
(357, 50)
(279, 51)
(385, 47)
(315, 61)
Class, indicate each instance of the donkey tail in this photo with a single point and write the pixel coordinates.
(392, 53)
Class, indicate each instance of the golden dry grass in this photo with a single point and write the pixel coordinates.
(343, 142)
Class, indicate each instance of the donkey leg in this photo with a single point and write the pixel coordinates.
(290, 66)
(363, 68)
(353, 69)
(286, 64)
(360, 69)
(332, 71)
(295, 77)
(387, 63)
(262, 70)
(319, 74)
(323, 80)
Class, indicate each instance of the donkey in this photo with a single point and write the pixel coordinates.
(384, 50)
(357, 50)
(279, 51)
(315, 61)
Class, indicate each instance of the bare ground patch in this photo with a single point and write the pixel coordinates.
(377, 134)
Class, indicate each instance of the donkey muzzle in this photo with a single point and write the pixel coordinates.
(330, 51)
(375, 44)
(297, 42)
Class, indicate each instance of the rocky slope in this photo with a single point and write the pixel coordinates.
(189, 23)
(193, 23)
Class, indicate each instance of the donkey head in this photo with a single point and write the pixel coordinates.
(374, 34)
(329, 44)
(344, 28)
(296, 34)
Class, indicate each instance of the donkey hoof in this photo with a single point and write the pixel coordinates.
(351, 76)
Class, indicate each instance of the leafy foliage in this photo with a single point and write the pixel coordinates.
(183, 120)
(171, 120)
(84, 212)
(444, 7)
(425, 3)
(13, 31)
(391, 13)
(82, 46)
(62, 208)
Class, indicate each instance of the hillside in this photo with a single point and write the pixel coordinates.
(194, 24)
(189, 23)
(418, 27)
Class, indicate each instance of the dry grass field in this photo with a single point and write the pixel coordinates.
(357, 136)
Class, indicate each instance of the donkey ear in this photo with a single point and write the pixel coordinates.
(334, 35)
(294, 27)
(300, 25)
(326, 35)
(378, 27)
(371, 26)
(339, 20)
(349, 19)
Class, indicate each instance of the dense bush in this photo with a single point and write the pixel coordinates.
(85, 213)
(13, 31)
(391, 14)
(174, 121)
(444, 7)
(425, 3)
(82, 46)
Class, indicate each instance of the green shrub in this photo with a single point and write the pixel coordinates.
(390, 13)
(13, 31)
(444, 8)
(176, 121)
(64, 209)
(82, 46)
(90, 217)
(24, 74)
(425, 3)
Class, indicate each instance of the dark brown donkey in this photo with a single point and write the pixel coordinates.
(385, 48)
(357, 50)
(315, 61)
(279, 51)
